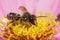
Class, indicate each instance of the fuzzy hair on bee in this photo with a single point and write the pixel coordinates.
(29, 18)
(33, 19)
(13, 16)
(24, 20)
(26, 16)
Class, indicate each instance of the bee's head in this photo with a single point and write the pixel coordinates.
(33, 19)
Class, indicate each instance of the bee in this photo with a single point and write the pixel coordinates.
(26, 18)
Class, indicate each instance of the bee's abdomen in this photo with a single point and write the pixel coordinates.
(13, 16)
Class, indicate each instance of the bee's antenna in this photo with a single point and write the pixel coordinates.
(41, 16)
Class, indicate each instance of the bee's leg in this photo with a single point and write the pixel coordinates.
(36, 23)
(13, 23)
(21, 22)
(9, 22)
(28, 25)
